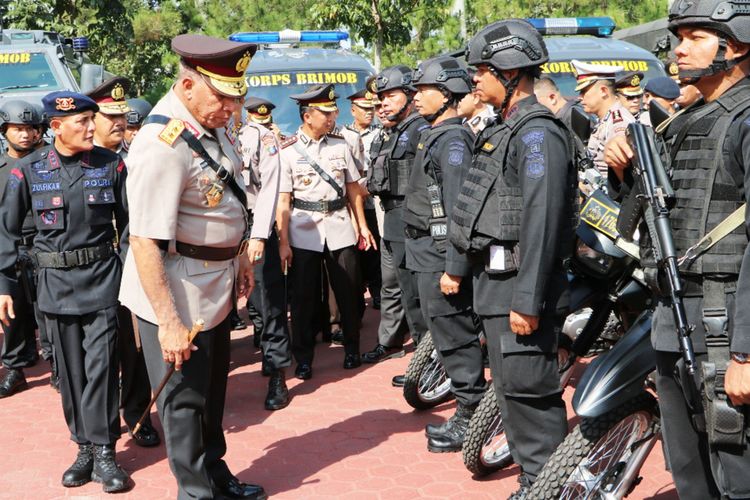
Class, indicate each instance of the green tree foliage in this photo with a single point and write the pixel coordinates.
(131, 37)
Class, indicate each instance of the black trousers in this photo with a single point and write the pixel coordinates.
(700, 471)
(19, 338)
(254, 311)
(407, 280)
(370, 259)
(191, 408)
(305, 285)
(527, 386)
(135, 391)
(451, 324)
(271, 304)
(86, 357)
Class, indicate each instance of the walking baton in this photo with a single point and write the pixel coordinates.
(197, 327)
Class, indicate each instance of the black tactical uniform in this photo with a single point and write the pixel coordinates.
(709, 152)
(443, 158)
(19, 340)
(392, 156)
(73, 201)
(515, 216)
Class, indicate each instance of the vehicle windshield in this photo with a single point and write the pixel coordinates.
(278, 86)
(24, 71)
(562, 72)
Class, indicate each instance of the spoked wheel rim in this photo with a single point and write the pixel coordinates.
(612, 449)
(495, 447)
(434, 382)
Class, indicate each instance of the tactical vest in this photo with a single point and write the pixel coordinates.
(706, 192)
(391, 166)
(490, 202)
(425, 202)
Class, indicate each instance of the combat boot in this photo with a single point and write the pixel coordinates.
(451, 439)
(278, 394)
(79, 473)
(107, 472)
(438, 430)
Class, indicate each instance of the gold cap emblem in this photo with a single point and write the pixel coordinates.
(635, 81)
(243, 63)
(118, 93)
(368, 95)
(331, 94)
(65, 104)
(673, 68)
(262, 109)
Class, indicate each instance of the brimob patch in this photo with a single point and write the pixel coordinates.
(403, 137)
(269, 143)
(49, 217)
(14, 179)
(456, 153)
(535, 165)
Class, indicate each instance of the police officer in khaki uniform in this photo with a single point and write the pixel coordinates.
(260, 160)
(135, 393)
(188, 262)
(597, 92)
(318, 178)
(111, 119)
(629, 91)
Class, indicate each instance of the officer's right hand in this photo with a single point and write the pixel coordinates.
(285, 254)
(618, 153)
(6, 309)
(175, 347)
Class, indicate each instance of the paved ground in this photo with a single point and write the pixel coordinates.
(346, 434)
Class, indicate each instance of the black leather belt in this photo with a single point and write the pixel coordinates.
(207, 253)
(27, 241)
(391, 203)
(74, 258)
(321, 206)
(413, 233)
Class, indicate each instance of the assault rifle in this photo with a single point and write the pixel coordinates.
(654, 197)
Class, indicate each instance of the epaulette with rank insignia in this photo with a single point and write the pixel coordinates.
(335, 136)
(488, 146)
(172, 131)
(288, 141)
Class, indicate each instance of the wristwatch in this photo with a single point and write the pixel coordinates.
(740, 357)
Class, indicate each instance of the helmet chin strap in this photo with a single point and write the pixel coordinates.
(397, 116)
(434, 116)
(719, 65)
(510, 87)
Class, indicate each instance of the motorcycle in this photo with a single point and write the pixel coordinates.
(607, 294)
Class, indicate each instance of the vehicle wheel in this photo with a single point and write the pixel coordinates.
(485, 447)
(595, 453)
(426, 384)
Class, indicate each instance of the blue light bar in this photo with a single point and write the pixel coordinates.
(80, 44)
(597, 26)
(289, 36)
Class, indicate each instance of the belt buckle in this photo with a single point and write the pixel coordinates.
(325, 206)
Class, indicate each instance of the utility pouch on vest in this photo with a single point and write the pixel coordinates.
(377, 176)
(501, 259)
(724, 423)
(438, 221)
(398, 176)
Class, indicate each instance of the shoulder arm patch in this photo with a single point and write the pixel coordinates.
(288, 141)
(171, 131)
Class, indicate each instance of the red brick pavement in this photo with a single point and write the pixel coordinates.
(346, 434)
